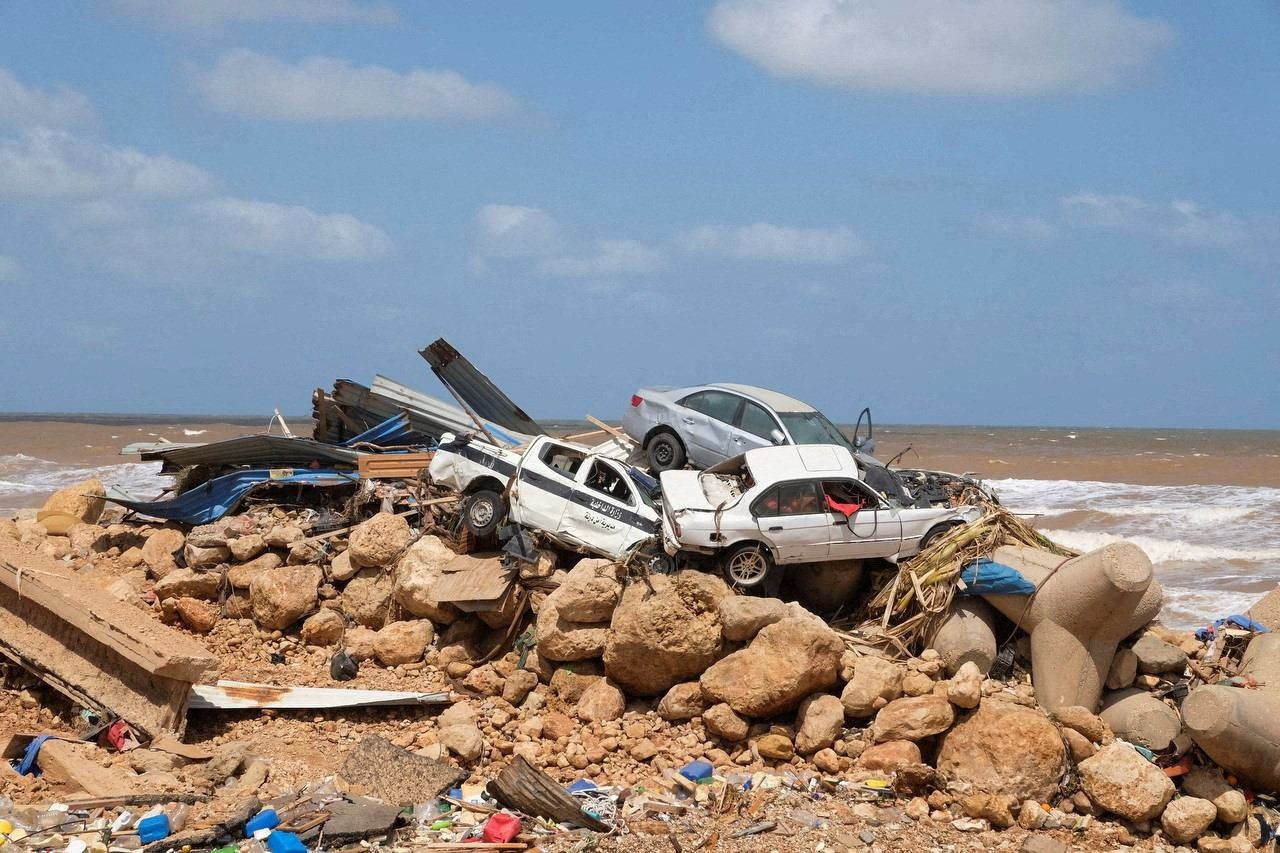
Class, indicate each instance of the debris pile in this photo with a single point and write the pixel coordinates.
(304, 670)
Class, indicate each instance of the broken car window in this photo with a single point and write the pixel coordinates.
(603, 479)
(790, 499)
(564, 460)
(812, 428)
(714, 404)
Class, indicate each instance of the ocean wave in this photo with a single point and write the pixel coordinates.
(21, 474)
(1161, 550)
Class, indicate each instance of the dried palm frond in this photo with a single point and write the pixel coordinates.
(909, 608)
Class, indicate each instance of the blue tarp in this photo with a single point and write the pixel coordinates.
(213, 499)
(1236, 620)
(984, 576)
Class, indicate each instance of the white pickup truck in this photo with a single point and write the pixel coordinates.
(582, 499)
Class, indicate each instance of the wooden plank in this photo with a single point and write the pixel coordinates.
(392, 466)
(133, 635)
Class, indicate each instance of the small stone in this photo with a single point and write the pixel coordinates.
(282, 536)
(602, 702)
(682, 702)
(964, 690)
(199, 616)
(1124, 669)
(323, 628)
(1079, 745)
(819, 722)
(913, 718)
(403, 642)
(826, 760)
(465, 741)
(519, 685)
(1081, 720)
(873, 679)
(246, 547)
(775, 747)
(889, 756)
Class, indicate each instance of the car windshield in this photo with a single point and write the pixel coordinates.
(812, 428)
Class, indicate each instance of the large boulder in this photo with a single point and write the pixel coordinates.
(602, 702)
(367, 598)
(79, 503)
(1119, 780)
(1003, 748)
(561, 640)
(245, 548)
(913, 718)
(241, 576)
(682, 702)
(742, 616)
(416, 576)
(403, 642)
(379, 541)
(181, 583)
(819, 722)
(786, 662)
(205, 556)
(283, 536)
(1209, 783)
(875, 683)
(283, 596)
(1186, 818)
(590, 592)
(722, 722)
(664, 632)
(889, 756)
(158, 550)
(323, 628)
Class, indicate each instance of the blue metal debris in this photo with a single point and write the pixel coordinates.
(215, 498)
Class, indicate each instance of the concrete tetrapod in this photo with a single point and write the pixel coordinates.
(967, 635)
(1083, 607)
(1240, 729)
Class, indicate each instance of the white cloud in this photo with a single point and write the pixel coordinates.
(291, 231)
(609, 258)
(55, 164)
(321, 88)
(762, 241)
(991, 48)
(211, 14)
(512, 231)
(1021, 227)
(27, 106)
(9, 268)
(1179, 221)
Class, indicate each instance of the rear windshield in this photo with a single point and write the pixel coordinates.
(812, 428)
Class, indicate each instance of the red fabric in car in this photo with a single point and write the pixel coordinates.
(847, 510)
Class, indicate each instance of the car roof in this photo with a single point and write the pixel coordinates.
(769, 464)
(776, 401)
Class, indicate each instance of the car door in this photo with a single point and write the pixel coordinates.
(873, 531)
(793, 520)
(544, 484)
(753, 428)
(601, 514)
(705, 421)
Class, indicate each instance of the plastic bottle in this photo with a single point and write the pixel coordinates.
(153, 828)
(265, 819)
(177, 813)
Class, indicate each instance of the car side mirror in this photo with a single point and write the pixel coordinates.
(777, 437)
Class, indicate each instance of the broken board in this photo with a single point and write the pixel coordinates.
(392, 466)
(99, 652)
(474, 582)
(226, 695)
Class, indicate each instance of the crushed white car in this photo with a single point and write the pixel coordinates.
(581, 499)
(776, 506)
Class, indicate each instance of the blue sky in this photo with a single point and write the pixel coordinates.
(994, 211)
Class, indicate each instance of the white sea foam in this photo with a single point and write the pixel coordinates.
(1160, 550)
(23, 479)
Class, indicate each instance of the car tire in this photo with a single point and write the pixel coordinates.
(748, 568)
(937, 532)
(482, 511)
(665, 452)
(661, 563)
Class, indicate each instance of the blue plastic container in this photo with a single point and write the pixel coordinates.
(285, 842)
(265, 819)
(696, 771)
(153, 828)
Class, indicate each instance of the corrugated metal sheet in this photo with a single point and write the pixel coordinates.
(244, 694)
(476, 390)
(213, 499)
(274, 451)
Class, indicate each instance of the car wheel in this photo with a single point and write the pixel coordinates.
(665, 452)
(936, 533)
(482, 512)
(747, 567)
(661, 564)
